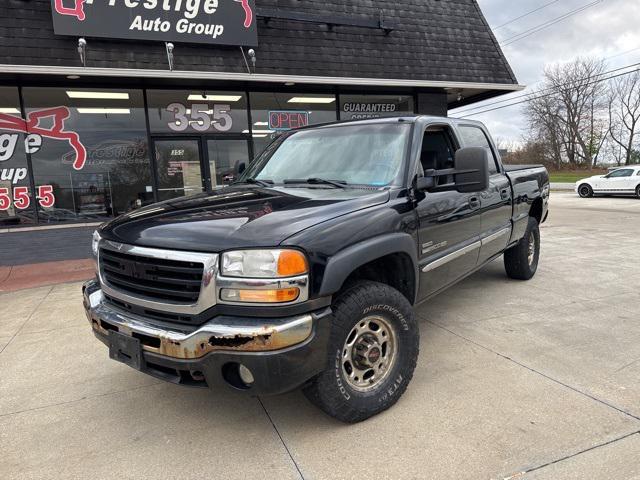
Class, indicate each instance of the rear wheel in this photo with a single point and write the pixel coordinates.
(585, 191)
(373, 352)
(638, 191)
(521, 260)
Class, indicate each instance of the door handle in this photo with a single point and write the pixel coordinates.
(504, 194)
(474, 203)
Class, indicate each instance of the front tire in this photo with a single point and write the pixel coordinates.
(373, 350)
(585, 191)
(521, 260)
(638, 191)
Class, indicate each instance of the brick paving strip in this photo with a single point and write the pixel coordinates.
(20, 277)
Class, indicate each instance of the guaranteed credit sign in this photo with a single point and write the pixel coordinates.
(222, 22)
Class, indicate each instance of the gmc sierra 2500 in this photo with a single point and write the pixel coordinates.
(304, 272)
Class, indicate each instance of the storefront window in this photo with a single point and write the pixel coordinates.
(197, 112)
(272, 113)
(94, 159)
(360, 107)
(225, 158)
(16, 197)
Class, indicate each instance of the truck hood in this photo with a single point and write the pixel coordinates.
(237, 217)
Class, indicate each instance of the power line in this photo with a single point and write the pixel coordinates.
(623, 53)
(546, 89)
(525, 15)
(549, 23)
(546, 95)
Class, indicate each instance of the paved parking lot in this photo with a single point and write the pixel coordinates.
(535, 380)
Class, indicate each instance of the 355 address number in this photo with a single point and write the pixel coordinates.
(200, 117)
(22, 199)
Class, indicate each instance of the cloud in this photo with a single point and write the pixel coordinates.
(608, 29)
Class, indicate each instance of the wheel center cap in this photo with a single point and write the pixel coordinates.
(373, 355)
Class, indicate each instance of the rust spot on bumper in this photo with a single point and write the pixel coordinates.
(232, 335)
(262, 340)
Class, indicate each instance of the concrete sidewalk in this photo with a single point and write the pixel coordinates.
(535, 380)
(20, 277)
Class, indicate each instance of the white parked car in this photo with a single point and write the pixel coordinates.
(622, 181)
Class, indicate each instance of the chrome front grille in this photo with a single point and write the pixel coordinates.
(153, 278)
(164, 280)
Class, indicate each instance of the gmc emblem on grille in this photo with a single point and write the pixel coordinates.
(134, 269)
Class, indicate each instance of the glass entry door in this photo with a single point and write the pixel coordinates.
(180, 169)
(225, 157)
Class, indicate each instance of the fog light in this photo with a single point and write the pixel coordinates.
(245, 375)
(282, 295)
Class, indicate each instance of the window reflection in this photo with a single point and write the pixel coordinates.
(115, 177)
(273, 112)
(16, 197)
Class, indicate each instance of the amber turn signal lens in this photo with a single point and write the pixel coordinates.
(282, 295)
(291, 262)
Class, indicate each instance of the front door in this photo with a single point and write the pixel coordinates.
(449, 222)
(618, 181)
(181, 171)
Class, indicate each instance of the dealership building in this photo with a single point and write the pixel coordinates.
(108, 105)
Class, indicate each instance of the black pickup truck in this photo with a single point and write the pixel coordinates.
(304, 272)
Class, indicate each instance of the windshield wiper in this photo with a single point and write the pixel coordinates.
(255, 181)
(318, 181)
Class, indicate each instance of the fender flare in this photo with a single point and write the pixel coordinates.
(341, 265)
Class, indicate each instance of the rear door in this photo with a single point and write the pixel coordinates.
(496, 202)
(449, 222)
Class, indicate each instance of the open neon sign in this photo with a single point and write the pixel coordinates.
(283, 120)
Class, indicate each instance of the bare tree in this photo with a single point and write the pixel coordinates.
(624, 115)
(547, 131)
(569, 111)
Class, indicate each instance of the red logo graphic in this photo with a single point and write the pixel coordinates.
(76, 11)
(248, 13)
(56, 132)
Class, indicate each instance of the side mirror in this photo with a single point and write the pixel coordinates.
(242, 167)
(471, 173)
(472, 163)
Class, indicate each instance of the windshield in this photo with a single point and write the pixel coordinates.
(356, 154)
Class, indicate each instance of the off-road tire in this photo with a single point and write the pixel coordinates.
(331, 390)
(585, 191)
(517, 260)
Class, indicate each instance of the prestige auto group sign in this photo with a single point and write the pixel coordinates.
(224, 22)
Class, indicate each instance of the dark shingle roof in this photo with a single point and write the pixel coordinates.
(447, 40)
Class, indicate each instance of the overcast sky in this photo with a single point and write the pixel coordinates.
(611, 28)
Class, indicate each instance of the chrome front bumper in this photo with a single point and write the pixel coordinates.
(230, 334)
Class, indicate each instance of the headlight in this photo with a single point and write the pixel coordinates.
(95, 242)
(264, 263)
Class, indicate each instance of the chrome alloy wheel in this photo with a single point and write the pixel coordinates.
(369, 353)
(531, 253)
